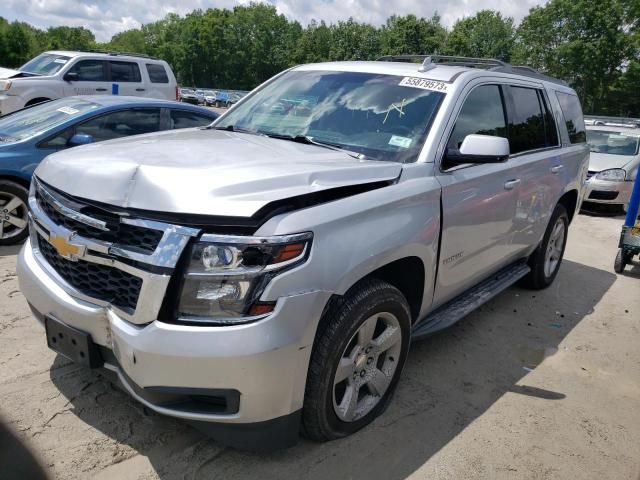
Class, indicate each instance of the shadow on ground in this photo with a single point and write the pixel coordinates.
(450, 380)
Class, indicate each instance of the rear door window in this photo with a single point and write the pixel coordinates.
(572, 112)
(482, 114)
(157, 73)
(184, 119)
(526, 121)
(122, 124)
(124, 72)
(90, 70)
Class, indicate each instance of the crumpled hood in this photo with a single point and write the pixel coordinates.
(605, 161)
(8, 73)
(208, 172)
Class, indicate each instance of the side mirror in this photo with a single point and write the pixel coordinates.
(479, 149)
(71, 77)
(79, 139)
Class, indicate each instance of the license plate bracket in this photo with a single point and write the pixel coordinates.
(72, 343)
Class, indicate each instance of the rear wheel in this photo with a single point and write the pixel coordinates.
(13, 213)
(622, 259)
(546, 259)
(356, 361)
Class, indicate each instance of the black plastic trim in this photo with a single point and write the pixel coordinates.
(267, 436)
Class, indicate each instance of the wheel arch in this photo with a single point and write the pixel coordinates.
(570, 201)
(16, 179)
(36, 100)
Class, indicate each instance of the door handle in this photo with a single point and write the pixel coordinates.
(101, 89)
(511, 184)
(139, 89)
(557, 169)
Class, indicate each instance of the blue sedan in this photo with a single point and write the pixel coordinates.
(29, 135)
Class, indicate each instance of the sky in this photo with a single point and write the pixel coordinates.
(108, 17)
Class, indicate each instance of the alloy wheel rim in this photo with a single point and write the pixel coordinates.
(367, 367)
(13, 215)
(554, 248)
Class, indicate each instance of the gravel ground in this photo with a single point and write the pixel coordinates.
(534, 385)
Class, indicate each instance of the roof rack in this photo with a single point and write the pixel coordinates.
(493, 64)
(116, 53)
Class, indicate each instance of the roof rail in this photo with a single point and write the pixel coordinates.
(493, 64)
(116, 53)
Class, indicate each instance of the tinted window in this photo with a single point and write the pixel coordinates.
(157, 73)
(124, 72)
(90, 71)
(526, 122)
(60, 140)
(550, 128)
(572, 112)
(184, 119)
(122, 124)
(482, 114)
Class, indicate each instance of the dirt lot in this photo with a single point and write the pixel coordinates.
(474, 401)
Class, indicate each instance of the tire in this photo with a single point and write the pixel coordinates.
(15, 197)
(621, 261)
(541, 274)
(372, 307)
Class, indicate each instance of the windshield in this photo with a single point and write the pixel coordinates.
(45, 64)
(370, 114)
(41, 118)
(613, 143)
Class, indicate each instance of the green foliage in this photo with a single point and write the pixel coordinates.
(486, 34)
(594, 45)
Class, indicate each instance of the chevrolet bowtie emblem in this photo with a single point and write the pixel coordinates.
(65, 248)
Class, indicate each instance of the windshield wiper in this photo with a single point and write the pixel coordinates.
(307, 140)
(233, 128)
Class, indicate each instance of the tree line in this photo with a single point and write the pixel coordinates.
(593, 45)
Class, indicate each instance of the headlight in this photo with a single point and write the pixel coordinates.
(226, 276)
(5, 85)
(612, 175)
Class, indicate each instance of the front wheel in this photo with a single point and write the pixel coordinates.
(546, 259)
(356, 360)
(13, 213)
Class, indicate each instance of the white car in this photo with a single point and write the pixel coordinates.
(58, 74)
(613, 165)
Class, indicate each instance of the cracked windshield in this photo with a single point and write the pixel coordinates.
(369, 114)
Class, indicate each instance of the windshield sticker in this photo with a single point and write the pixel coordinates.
(398, 141)
(68, 110)
(424, 84)
(60, 60)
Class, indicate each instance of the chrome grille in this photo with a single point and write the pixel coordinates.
(115, 261)
(126, 235)
(95, 280)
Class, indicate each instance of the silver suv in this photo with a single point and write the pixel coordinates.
(269, 272)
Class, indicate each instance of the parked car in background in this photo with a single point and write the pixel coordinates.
(210, 97)
(613, 165)
(200, 95)
(266, 275)
(58, 74)
(188, 95)
(27, 136)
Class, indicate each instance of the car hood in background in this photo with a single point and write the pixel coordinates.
(207, 172)
(8, 73)
(605, 161)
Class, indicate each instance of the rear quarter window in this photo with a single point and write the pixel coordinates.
(572, 112)
(157, 73)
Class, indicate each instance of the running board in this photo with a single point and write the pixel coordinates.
(462, 305)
